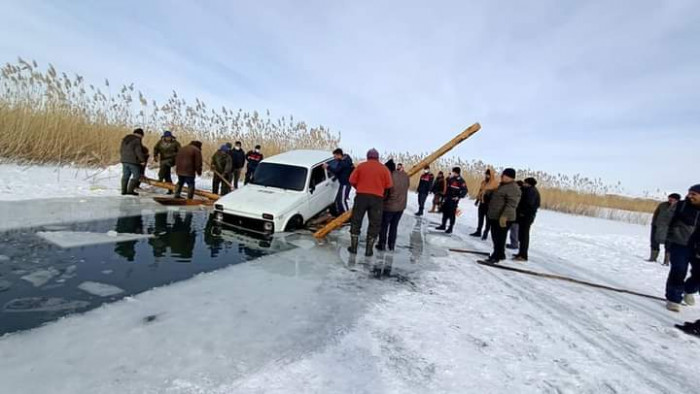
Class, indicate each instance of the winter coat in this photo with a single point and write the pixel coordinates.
(342, 169)
(189, 161)
(371, 177)
(456, 188)
(529, 204)
(439, 186)
(222, 163)
(397, 195)
(166, 151)
(685, 221)
(131, 150)
(254, 158)
(426, 183)
(487, 188)
(504, 202)
(661, 220)
(237, 158)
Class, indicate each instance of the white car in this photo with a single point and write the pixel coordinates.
(288, 189)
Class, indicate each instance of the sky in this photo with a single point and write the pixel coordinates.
(607, 89)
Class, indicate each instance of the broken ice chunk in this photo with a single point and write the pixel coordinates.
(100, 289)
(41, 277)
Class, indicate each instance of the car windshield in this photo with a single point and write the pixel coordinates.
(280, 176)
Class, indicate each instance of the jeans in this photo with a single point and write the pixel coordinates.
(449, 210)
(341, 199)
(373, 206)
(421, 202)
(236, 177)
(524, 226)
(514, 235)
(390, 225)
(498, 236)
(677, 284)
(130, 172)
(189, 181)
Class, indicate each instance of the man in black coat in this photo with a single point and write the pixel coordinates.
(526, 212)
(679, 243)
(456, 190)
(132, 158)
(238, 157)
(424, 187)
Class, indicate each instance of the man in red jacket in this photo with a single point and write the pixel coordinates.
(370, 179)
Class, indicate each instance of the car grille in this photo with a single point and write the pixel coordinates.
(257, 225)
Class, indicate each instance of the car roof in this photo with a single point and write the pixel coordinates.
(302, 158)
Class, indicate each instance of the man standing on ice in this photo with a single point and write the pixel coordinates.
(371, 179)
(679, 243)
(254, 158)
(394, 205)
(238, 158)
(659, 227)
(502, 213)
(165, 151)
(341, 167)
(424, 187)
(132, 159)
(188, 164)
(526, 212)
(456, 190)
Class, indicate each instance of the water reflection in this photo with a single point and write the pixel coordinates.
(129, 225)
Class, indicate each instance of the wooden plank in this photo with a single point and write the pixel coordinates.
(182, 202)
(468, 132)
(171, 186)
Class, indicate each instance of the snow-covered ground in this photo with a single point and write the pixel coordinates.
(312, 319)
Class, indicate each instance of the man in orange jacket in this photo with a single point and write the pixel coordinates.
(370, 179)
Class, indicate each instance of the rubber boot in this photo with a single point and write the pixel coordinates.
(370, 246)
(354, 241)
(449, 229)
(653, 256)
(667, 258)
(476, 234)
(125, 183)
(178, 191)
(130, 188)
(190, 193)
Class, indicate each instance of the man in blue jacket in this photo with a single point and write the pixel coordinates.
(341, 167)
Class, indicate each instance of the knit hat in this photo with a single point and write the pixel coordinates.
(530, 181)
(225, 148)
(509, 172)
(675, 196)
(197, 144)
(139, 131)
(167, 133)
(695, 188)
(372, 154)
(389, 164)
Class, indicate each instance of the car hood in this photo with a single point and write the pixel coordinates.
(256, 200)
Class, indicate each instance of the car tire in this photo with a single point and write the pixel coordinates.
(294, 223)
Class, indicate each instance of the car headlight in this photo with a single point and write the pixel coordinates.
(268, 226)
(219, 217)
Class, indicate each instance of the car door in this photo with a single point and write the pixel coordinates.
(320, 187)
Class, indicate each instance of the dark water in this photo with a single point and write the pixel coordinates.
(184, 244)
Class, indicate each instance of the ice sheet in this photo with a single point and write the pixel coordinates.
(72, 239)
(41, 277)
(100, 289)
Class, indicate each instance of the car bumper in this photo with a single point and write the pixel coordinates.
(245, 223)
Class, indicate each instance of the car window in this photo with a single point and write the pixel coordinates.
(280, 176)
(318, 175)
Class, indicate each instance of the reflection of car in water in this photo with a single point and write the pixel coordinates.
(217, 234)
(288, 189)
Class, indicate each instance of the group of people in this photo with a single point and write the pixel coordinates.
(227, 163)
(676, 225)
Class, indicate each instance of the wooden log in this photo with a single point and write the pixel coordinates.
(182, 201)
(171, 186)
(468, 132)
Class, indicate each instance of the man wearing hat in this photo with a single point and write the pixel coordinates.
(659, 226)
(165, 151)
(682, 245)
(371, 179)
(502, 213)
(526, 212)
(222, 166)
(132, 158)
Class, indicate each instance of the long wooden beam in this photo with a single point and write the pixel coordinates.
(468, 132)
(172, 187)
